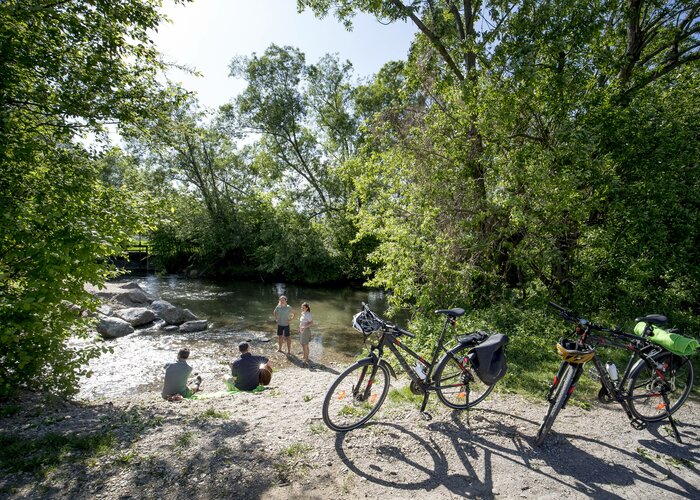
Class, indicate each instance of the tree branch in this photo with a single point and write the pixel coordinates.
(433, 39)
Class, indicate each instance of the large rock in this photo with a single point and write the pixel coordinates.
(133, 298)
(170, 314)
(193, 326)
(112, 327)
(130, 285)
(105, 310)
(136, 316)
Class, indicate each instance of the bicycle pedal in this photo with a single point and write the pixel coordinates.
(638, 424)
(426, 415)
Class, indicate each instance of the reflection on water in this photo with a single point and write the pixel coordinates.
(236, 311)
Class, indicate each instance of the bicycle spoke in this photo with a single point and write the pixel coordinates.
(456, 383)
(648, 385)
(354, 397)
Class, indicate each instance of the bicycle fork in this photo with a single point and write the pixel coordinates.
(557, 381)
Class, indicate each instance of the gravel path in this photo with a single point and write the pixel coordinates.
(275, 445)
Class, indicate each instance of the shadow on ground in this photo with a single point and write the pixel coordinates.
(69, 450)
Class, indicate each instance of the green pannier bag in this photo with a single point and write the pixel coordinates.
(677, 344)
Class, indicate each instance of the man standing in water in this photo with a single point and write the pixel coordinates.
(283, 315)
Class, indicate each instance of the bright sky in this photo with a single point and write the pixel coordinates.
(207, 34)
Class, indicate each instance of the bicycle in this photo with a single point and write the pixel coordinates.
(462, 378)
(653, 386)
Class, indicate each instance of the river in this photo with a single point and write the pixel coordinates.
(236, 311)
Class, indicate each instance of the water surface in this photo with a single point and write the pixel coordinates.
(236, 311)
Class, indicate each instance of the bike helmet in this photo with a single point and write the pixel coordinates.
(573, 352)
(365, 322)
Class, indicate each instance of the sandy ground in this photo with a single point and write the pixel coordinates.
(275, 445)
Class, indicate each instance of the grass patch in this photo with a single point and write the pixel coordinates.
(580, 403)
(404, 395)
(296, 450)
(9, 410)
(126, 458)
(307, 398)
(211, 414)
(355, 411)
(319, 428)
(656, 458)
(133, 420)
(293, 462)
(20, 454)
(185, 439)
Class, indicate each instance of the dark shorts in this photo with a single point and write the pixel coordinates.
(283, 330)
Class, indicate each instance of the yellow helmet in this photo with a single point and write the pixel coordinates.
(573, 352)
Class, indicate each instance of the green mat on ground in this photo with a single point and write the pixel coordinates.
(220, 394)
(677, 344)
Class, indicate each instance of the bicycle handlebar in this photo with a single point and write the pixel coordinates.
(571, 316)
(386, 325)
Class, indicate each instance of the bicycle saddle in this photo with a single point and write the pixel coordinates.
(654, 319)
(455, 313)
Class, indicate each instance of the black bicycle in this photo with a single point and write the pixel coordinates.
(462, 377)
(653, 386)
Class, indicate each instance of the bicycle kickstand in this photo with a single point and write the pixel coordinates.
(670, 418)
(425, 414)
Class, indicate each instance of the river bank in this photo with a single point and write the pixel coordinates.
(275, 445)
(234, 312)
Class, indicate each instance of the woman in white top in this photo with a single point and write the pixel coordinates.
(305, 322)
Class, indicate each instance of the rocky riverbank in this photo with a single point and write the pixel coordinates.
(127, 307)
(275, 445)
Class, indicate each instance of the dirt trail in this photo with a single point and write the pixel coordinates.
(275, 445)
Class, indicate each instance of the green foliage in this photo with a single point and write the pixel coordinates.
(67, 68)
(273, 209)
(546, 153)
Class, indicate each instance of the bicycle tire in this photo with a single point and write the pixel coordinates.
(646, 402)
(353, 399)
(456, 383)
(557, 403)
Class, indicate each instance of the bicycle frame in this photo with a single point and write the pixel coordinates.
(391, 340)
(393, 343)
(615, 389)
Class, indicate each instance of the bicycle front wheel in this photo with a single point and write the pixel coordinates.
(355, 396)
(456, 383)
(673, 376)
(556, 403)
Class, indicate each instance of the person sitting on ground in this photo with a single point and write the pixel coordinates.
(175, 385)
(249, 370)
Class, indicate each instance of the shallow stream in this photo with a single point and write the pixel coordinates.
(236, 311)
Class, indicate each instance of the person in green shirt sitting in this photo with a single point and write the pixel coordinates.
(175, 385)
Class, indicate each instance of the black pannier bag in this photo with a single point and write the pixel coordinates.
(489, 359)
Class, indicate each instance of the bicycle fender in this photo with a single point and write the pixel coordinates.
(369, 360)
(389, 367)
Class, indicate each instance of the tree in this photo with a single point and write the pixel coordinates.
(303, 115)
(501, 173)
(66, 69)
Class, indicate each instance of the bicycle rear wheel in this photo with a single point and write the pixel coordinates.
(556, 403)
(674, 376)
(354, 397)
(456, 383)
